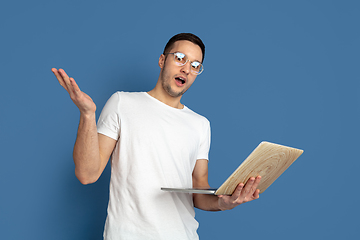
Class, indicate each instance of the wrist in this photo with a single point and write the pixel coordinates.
(87, 114)
(220, 206)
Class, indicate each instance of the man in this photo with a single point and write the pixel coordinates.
(155, 141)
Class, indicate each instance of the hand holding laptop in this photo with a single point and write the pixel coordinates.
(268, 160)
(242, 194)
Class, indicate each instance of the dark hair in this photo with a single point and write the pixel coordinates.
(188, 37)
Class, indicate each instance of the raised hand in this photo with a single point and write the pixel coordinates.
(83, 101)
(241, 194)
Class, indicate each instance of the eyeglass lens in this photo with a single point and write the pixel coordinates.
(181, 59)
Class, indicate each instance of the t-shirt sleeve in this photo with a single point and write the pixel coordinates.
(204, 147)
(109, 120)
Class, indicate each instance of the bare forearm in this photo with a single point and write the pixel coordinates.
(206, 202)
(88, 160)
(86, 150)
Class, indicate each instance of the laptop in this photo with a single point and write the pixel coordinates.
(268, 160)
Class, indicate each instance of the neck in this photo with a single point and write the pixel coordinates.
(160, 94)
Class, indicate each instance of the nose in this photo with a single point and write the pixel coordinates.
(186, 68)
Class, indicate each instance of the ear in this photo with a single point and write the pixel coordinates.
(161, 60)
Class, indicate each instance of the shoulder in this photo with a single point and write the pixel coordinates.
(121, 99)
(196, 116)
(128, 96)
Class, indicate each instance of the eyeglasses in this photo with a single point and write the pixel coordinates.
(181, 59)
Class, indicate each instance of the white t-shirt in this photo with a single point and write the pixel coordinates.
(157, 146)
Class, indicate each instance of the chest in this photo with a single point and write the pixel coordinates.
(152, 126)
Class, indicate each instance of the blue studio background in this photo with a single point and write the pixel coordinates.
(281, 71)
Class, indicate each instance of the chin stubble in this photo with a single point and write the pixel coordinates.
(172, 93)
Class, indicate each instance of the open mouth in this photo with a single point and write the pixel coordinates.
(180, 80)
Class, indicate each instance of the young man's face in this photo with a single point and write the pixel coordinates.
(175, 79)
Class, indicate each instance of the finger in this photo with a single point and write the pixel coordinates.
(66, 80)
(63, 73)
(257, 181)
(75, 87)
(256, 194)
(60, 78)
(248, 187)
(255, 185)
(236, 194)
(72, 87)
